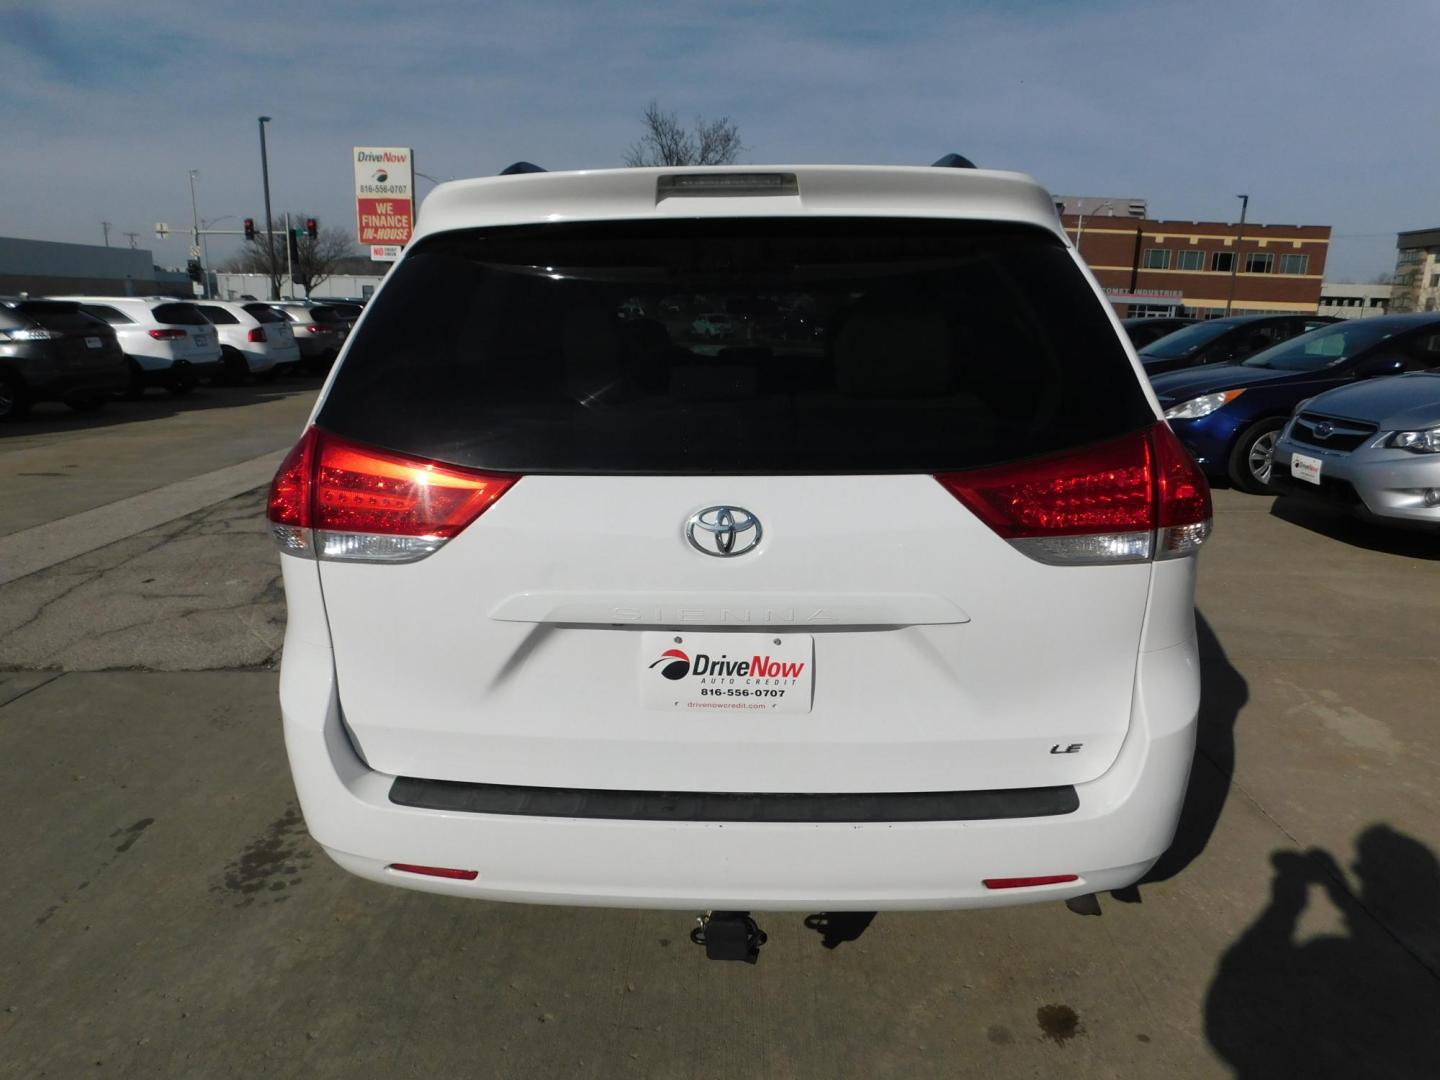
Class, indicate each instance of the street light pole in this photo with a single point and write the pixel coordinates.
(1080, 222)
(195, 237)
(269, 224)
(1235, 261)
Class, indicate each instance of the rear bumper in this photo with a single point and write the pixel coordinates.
(1125, 820)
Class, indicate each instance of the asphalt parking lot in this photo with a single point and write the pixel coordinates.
(163, 912)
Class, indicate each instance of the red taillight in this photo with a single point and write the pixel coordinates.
(1103, 503)
(316, 328)
(257, 334)
(373, 505)
(1026, 882)
(167, 335)
(436, 871)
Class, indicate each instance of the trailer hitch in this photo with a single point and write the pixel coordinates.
(729, 935)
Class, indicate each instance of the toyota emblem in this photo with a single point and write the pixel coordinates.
(723, 531)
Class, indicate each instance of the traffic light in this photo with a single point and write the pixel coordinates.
(193, 269)
(249, 228)
(294, 237)
(312, 228)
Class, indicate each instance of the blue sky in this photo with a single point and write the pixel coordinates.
(1324, 111)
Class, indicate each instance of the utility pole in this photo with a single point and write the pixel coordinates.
(269, 224)
(133, 237)
(105, 225)
(289, 262)
(1235, 261)
(195, 237)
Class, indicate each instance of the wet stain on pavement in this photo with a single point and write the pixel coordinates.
(132, 834)
(999, 1034)
(271, 865)
(1058, 1023)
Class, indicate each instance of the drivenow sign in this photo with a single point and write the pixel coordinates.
(385, 198)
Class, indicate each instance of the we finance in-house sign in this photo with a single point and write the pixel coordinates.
(384, 198)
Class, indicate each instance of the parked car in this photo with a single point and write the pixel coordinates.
(320, 330)
(1142, 331)
(616, 621)
(1224, 341)
(1229, 415)
(50, 350)
(714, 324)
(1371, 447)
(255, 339)
(167, 342)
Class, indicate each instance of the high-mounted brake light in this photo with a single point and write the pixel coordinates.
(725, 184)
(1127, 500)
(335, 499)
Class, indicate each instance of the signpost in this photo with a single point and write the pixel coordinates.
(384, 199)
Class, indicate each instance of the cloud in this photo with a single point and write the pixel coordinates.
(1181, 103)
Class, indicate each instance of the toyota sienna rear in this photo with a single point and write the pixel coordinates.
(876, 593)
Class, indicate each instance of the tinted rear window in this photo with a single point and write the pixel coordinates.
(264, 313)
(742, 346)
(179, 315)
(328, 315)
(218, 315)
(64, 317)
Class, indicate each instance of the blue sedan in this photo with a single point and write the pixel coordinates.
(1229, 415)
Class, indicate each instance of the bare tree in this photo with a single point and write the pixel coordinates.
(667, 142)
(317, 259)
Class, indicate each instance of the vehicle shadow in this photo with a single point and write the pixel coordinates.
(50, 417)
(1223, 693)
(1408, 541)
(1358, 1003)
(837, 927)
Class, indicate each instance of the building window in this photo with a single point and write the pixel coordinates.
(1259, 262)
(1294, 264)
(1435, 281)
(1192, 260)
(1222, 261)
(1157, 259)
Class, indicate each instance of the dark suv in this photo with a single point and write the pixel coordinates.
(50, 350)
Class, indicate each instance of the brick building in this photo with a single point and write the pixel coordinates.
(1152, 267)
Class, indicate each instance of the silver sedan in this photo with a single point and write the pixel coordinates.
(1373, 447)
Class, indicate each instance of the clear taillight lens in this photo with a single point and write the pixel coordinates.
(336, 499)
(1127, 500)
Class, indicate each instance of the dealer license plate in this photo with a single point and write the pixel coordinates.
(1304, 467)
(202, 339)
(92, 343)
(726, 674)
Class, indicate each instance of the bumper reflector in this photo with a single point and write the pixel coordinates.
(1026, 882)
(435, 871)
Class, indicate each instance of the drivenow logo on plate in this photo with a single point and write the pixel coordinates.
(728, 671)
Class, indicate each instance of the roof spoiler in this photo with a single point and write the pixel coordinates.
(953, 161)
(521, 167)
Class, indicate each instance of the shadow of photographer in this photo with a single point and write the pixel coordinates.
(1360, 1003)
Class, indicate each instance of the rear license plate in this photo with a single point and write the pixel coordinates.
(726, 674)
(1304, 467)
(93, 343)
(202, 339)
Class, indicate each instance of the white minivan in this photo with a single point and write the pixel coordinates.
(894, 613)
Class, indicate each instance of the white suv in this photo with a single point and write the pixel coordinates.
(255, 339)
(896, 614)
(167, 342)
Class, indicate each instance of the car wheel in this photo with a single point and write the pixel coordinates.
(236, 369)
(94, 403)
(180, 389)
(1254, 456)
(13, 402)
(136, 389)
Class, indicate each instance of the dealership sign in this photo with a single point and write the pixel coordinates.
(384, 198)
